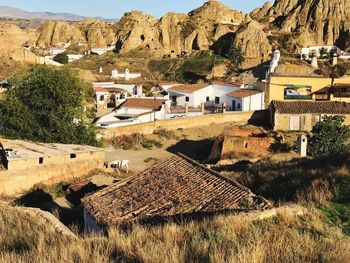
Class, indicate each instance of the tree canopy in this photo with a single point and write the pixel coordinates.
(61, 58)
(46, 105)
(329, 136)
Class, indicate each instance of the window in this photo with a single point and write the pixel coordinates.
(217, 100)
(41, 160)
(207, 99)
(102, 98)
(187, 99)
(239, 106)
(73, 156)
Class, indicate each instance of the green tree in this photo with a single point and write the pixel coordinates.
(329, 136)
(324, 53)
(47, 105)
(236, 56)
(61, 58)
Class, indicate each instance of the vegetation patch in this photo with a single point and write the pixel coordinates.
(134, 141)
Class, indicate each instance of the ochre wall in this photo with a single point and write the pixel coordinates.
(14, 182)
(149, 128)
(282, 121)
(277, 84)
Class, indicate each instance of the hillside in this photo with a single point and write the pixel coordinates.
(312, 22)
(321, 234)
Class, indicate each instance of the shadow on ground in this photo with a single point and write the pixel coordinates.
(197, 150)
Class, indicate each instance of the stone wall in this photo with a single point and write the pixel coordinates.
(257, 117)
(14, 182)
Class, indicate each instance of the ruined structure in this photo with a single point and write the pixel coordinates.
(29, 163)
(177, 187)
(242, 141)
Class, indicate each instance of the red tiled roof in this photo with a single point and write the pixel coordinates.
(148, 103)
(341, 85)
(169, 83)
(227, 83)
(304, 107)
(178, 186)
(108, 89)
(189, 88)
(243, 93)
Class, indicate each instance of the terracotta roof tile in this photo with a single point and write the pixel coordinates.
(243, 93)
(227, 83)
(178, 186)
(303, 107)
(148, 103)
(189, 88)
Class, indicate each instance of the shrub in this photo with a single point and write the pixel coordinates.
(329, 136)
(61, 58)
(135, 140)
(47, 105)
(168, 134)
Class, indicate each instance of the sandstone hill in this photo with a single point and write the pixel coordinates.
(285, 24)
(97, 34)
(310, 21)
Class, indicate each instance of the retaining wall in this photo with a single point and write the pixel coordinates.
(256, 117)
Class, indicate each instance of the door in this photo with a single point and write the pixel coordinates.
(233, 105)
(294, 123)
(174, 101)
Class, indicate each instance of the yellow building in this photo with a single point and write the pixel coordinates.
(303, 115)
(307, 88)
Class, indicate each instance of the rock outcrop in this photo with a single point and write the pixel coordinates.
(177, 34)
(313, 22)
(94, 33)
(12, 37)
(254, 43)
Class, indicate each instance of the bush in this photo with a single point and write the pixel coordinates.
(165, 134)
(329, 136)
(47, 105)
(134, 141)
(61, 58)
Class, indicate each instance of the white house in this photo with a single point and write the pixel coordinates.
(308, 52)
(73, 57)
(215, 93)
(109, 94)
(126, 75)
(134, 111)
(246, 100)
(101, 51)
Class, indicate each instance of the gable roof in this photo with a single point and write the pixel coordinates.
(227, 83)
(304, 107)
(243, 93)
(178, 186)
(148, 103)
(189, 88)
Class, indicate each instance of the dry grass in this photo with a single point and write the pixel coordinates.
(221, 239)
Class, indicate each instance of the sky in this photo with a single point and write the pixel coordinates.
(116, 8)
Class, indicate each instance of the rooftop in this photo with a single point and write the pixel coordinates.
(19, 150)
(304, 107)
(227, 83)
(178, 186)
(243, 93)
(189, 88)
(148, 103)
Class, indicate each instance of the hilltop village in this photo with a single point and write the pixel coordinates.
(213, 132)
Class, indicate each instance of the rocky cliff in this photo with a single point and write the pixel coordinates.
(312, 22)
(91, 32)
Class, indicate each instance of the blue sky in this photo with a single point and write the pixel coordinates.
(116, 8)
